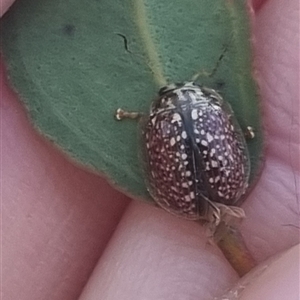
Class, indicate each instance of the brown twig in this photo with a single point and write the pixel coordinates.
(231, 243)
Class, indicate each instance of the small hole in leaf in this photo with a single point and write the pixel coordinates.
(69, 29)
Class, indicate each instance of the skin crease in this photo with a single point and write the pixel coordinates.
(60, 222)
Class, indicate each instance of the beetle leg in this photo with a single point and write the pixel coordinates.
(230, 214)
(123, 114)
(249, 133)
(213, 218)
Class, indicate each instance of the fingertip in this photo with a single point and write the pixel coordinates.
(154, 255)
(276, 279)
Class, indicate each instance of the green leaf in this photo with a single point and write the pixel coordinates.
(74, 63)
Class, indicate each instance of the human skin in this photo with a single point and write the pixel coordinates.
(60, 222)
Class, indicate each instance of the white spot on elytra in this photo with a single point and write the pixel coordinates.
(209, 137)
(214, 164)
(172, 141)
(192, 195)
(176, 118)
(187, 198)
(194, 114)
(184, 135)
(204, 143)
(183, 156)
(174, 189)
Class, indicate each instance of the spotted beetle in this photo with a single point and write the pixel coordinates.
(196, 157)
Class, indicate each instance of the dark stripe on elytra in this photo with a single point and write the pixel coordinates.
(197, 161)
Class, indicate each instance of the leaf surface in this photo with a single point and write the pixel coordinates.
(74, 63)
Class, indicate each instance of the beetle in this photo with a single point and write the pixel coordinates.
(196, 160)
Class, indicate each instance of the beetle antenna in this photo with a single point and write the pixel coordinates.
(214, 70)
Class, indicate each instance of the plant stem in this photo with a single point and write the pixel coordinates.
(231, 243)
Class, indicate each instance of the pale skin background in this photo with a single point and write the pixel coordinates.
(66, 234)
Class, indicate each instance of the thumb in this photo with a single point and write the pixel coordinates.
(4, 6)
(276, 279)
